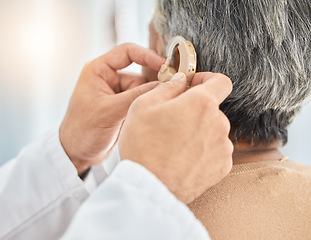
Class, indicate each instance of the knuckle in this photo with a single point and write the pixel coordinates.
(210, 102)
(224, 123)
(226, 166)
(128, 45)
(136, 92)
(87, 64)
(218, 75)
(99, 68)
(230, 147)
(221, 76)
(202, 97)
(95, 64)
(225, 79)
(206, 97)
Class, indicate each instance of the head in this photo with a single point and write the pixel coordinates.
(263, 46)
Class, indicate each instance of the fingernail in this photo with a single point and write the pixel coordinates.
(178, 77)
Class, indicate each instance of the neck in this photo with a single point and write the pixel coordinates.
(247, 153)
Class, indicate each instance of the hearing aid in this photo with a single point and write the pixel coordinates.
(186, 61)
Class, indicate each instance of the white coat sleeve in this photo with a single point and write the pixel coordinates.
(133, 204)
(40, 191)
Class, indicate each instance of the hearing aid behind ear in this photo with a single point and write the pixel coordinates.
(187, 60)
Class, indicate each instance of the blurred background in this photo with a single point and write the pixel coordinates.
(43, 47)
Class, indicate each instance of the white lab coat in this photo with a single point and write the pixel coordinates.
(40, 194)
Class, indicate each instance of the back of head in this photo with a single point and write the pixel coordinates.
(263, 46)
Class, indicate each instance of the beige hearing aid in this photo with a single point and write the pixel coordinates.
(187, 62)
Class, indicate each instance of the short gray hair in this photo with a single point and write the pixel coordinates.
(263, 46)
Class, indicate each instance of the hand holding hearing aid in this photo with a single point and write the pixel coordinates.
(181, 137)
(183, 144)
(100, 103)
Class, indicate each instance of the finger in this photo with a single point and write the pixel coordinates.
(216, 86)
(125, 54)
(200, 77)
(168, 90)
(124, 100)
(130, 80)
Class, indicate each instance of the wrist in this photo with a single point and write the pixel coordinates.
(80, 165)
(82, 169)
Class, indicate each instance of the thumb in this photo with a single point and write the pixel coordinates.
(168, 90)
(123, 100)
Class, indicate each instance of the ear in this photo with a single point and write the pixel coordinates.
(156, 43)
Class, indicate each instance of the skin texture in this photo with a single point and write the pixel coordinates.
(100, 102)
(182, 137)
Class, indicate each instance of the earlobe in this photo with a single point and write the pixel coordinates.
(156, 41)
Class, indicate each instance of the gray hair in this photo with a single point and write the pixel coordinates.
(263, 46)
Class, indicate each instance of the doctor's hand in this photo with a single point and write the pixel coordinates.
(181, 137)
(100, 103)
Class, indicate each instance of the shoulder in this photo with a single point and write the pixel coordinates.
(258, 195)
(274, 168)
(259, 179)
(296, 167)
(291, 171)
